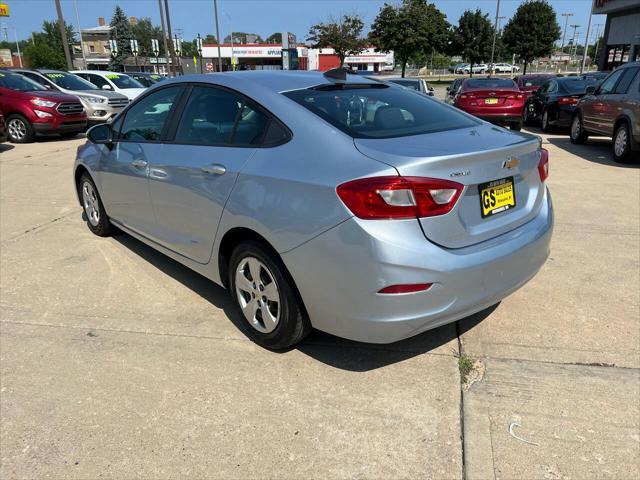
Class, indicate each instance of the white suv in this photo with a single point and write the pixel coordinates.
(116, 82)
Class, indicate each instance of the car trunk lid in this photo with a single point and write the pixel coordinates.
(472, 157)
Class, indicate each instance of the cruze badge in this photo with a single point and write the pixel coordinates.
(511, 162)
(460, 174)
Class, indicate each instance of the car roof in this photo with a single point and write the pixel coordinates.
(98, 72)
(274, 80)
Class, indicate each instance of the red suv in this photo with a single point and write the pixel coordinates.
(497, 100)
(30, 109)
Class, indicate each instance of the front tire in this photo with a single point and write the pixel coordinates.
(577, 133)
(266, 297)
(93, 209)
(19, 129)
(622, 144)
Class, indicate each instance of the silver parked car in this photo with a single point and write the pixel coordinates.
(360, 208)
(417, 84)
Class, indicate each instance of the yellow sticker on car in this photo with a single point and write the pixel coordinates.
(491, 101)
(497, 196)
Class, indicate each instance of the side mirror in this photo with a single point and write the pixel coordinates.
(591, 89)
(101, 134)
(106, 86)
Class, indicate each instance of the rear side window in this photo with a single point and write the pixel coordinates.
(145, 120)
(214, 116)
(610, 82)
(380, 111)
(626, 79)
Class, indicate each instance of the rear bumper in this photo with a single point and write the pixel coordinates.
(340, 272)
(501, 118)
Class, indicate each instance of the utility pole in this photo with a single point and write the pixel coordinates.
(84, 58)
(595, 54)
(573, 42)
(164, 39)
(564, 32)
(215, 9)
(171, 49)
(495, 34)
(63, 33)
(586, 46)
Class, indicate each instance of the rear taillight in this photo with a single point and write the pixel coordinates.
(518, 96)
(543, 165)
(379, 198)
(568, 100)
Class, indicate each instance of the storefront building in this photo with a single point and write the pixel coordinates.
(252, 56)
(325, 59)
(621, 40)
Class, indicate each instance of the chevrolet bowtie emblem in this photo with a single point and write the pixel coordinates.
(510, 163)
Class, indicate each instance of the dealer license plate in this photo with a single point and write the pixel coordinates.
(497, 196)
(490, 101)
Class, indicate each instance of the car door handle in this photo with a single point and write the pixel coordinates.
(139, 163)
(215, 169)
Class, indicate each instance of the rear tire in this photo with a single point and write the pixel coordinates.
(622, 143)
(272, 313)
(576, 132)
(526, 114)
(544, 123)
(19, 129)
(93, 209)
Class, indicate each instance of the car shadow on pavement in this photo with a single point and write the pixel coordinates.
(596, 150)
(323, 347)
(5, 147)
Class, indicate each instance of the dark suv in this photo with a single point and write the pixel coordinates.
(612, 109)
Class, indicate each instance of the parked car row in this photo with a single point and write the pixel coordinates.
(596, 103)
(43, 101)
(466, 68)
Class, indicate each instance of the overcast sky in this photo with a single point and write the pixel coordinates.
(259, 16)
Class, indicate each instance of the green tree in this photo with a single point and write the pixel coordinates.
(473, 37)
(413, 30)
(274, 38)
(42, 55)
(209, 39)
(344, 35)
(241, 37)
(50, 36)
(532, 31)
(121, 33)
(144, 31)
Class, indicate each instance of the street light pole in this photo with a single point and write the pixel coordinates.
(171, 49)
(84, 58)
(63, 33)
(164, 39)
(495, 34)
(586, 46)
(564, 32)
(573, 42)
(215, 10)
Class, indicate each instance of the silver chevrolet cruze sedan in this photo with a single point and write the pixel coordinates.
(360, 208)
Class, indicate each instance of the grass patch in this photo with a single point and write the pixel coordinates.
(465, 365)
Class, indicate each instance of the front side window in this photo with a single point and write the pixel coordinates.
(97, 80)
(610, 82)
(145, 120)
(379, 111)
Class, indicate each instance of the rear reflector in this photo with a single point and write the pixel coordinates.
(411, 288)
(378, 198)
(543, 165)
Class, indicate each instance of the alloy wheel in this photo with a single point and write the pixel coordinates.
(258, 295)
(17, 129)
(576, 127)
(90, 203)
(620, 142)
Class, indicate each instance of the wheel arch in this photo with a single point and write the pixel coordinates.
(79, 171)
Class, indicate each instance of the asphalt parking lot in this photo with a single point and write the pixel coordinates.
(118, 362)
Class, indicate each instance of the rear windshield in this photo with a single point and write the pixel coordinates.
(69, 81)
(414, 84)
(380, 111)
(533, 81)
(577, 85)
(489, 83)
(19, 83)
